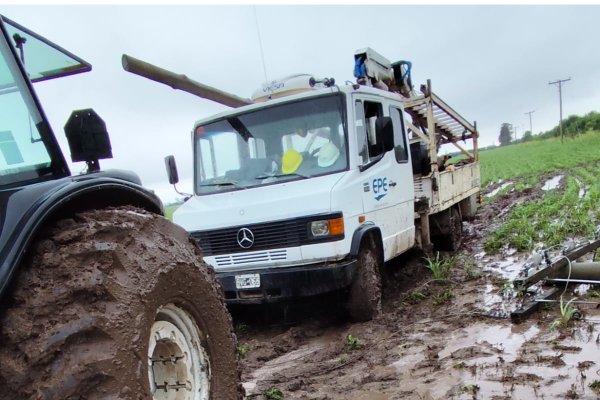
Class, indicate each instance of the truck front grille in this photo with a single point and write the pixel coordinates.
(271, 235)
(251, 258)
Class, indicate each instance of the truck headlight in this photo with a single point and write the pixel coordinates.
(327, 227)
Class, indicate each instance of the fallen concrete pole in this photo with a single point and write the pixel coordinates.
(558, 265)
(581, 271)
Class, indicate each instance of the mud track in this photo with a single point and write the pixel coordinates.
(434, 340)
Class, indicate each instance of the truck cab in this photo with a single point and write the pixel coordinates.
(311, 187)
(285, 191)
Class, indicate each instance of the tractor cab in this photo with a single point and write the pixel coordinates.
(29, 151)
(36, 185)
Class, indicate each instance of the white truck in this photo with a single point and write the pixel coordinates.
(310, 187)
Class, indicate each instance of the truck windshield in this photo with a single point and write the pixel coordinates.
(23, 154)
(274, 144)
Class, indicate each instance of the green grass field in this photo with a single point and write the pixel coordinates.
(538, 157)
(571, 211)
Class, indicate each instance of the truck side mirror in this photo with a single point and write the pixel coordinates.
(88, 138)
(171, 169)
(385, 133)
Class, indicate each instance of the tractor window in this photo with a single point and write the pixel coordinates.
(399, 136)
(43, 59)
(23, 154)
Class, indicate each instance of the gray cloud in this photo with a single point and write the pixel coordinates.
(491, 63)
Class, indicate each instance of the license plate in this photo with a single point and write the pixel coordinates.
(248, 281)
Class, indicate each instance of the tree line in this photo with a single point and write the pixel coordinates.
(572, 126)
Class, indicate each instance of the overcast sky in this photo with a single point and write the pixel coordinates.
(490, 63)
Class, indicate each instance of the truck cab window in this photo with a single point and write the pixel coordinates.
(361, 133)
(367, 113)
(399, 136)
(250, 149)
(213, 166)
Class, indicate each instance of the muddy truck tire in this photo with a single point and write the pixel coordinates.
(364, 302)
(447, 233)
(452, 240)
(116, 304)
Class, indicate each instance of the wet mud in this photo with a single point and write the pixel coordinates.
(449, 339)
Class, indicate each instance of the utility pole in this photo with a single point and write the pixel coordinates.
(559, 82)
(530, 125)
(515, 131)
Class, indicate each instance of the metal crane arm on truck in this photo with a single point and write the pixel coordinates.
(434, 122)
(430, 114)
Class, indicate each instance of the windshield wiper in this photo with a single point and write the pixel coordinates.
(222, 183)
(281, 176)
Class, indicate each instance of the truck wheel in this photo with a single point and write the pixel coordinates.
(364, 302)
(453, 239)
(448, 230)
(116, 304)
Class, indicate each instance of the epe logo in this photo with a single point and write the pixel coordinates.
(380, 188)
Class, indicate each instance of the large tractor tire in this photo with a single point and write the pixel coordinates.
(364, 302)
(116, 304)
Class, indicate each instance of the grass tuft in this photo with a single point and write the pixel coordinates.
(567, 310)
(440, 268)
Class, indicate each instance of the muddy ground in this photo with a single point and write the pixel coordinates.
(434, 340)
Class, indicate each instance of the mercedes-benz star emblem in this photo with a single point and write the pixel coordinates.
(245, 238)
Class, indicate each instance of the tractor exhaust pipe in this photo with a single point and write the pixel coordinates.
(181, 82)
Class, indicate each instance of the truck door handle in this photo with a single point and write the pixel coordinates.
(392, 184)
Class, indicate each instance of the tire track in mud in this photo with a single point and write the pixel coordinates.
(420, 348)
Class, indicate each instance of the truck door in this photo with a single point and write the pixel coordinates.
(388, 193)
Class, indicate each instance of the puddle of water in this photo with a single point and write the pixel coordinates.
(552, 183)
(588, 340)
(582, 289)
(572, 377)
(505, 340)
(496, 360)
(508, 268)
(582, 188)
(482, 349)
(408, 360)
(494, 301)
(286, 361)
(498, 189)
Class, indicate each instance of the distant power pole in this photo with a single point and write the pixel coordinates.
(530, 125)
(560, 81)
(515, 131)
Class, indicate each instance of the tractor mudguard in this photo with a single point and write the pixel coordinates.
(25, 209)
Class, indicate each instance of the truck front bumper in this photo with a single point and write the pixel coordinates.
(278, 284)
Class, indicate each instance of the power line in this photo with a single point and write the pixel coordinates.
(262, 54)
(530, 125)
(559, 82)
